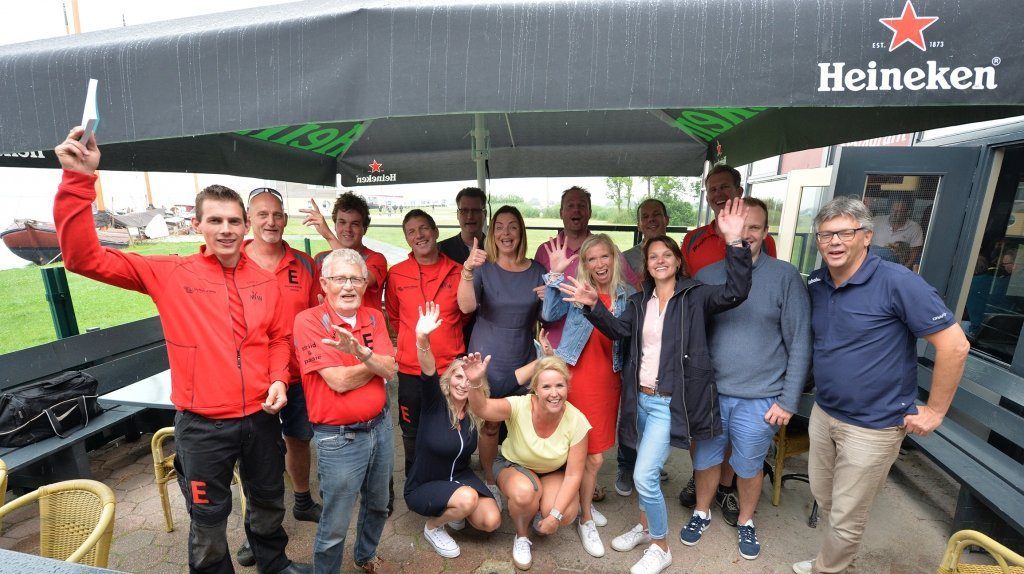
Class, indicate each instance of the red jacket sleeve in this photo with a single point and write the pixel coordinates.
(279, 335)
(391, 303)
(81, 249)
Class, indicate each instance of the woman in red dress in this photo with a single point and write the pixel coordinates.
(594, 361)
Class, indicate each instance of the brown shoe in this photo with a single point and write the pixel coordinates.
(377, 565)
(599, 493)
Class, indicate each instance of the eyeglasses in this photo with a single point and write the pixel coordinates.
(845, 235)
(468, 211)
(342, 280)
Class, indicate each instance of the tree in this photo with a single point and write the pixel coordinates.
(620, 188)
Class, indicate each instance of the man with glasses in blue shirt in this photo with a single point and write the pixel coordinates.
(867, 315)
(471, 203)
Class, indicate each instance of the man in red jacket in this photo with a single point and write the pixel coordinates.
(298, 280)
(427, 275)
(228, 344)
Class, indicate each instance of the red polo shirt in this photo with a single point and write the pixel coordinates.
(324, 404)
(703, 246)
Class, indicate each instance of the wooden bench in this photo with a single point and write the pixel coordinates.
(981, 445)
(116, 357)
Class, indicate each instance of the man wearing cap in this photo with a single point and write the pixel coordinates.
(228, 344)
(351, 216)
(346, 356)
(298, 281)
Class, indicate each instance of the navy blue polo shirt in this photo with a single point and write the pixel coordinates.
(865, 341)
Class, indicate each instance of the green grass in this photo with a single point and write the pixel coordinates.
(26, 315)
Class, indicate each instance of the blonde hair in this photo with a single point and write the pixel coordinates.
(490, 243)
(446, 390)
(551, 363)
(583, 272)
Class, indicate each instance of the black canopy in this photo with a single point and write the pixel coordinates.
(386, 93)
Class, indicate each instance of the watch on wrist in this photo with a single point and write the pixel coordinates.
(735, 242)
(555, 513)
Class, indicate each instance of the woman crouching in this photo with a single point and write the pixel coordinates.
(541, 463)
(441, 485)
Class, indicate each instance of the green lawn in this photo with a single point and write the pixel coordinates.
(26, 315)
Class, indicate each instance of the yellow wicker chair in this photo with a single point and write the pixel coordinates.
(1007, 561)
(787, 444)
(163, 470)
(76, 520)
(3, 486)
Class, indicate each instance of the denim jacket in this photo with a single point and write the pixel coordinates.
(577, 328)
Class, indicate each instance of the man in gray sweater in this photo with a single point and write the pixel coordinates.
(761, 352)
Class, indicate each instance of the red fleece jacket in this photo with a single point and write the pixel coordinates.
(210, 376)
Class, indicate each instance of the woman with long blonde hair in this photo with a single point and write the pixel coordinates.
(594, 360)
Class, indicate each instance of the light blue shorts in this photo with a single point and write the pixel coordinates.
(743, 425)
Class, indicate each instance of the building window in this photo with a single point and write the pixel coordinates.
(994, 313)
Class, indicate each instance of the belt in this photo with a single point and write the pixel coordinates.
(653, 393)
(354, 427)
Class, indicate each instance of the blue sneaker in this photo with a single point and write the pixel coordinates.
(749, 547)
(690, 534)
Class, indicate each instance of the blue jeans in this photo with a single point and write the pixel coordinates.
(655, 422)
(349, 464)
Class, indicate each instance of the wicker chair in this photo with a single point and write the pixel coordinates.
(1007, 561)
(76, 520)
(163, 470)
(3, 486)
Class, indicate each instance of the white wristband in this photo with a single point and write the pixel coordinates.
(558, 515)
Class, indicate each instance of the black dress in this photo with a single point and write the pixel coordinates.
(442, 455)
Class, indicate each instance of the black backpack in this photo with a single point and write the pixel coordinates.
(54, 407)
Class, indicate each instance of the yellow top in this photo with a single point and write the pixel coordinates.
(541, 455)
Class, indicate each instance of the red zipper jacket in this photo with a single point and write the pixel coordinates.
(404, 294)
(209, 375)
(299, 280)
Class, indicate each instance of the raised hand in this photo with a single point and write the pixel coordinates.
(475, 366)
(730, 219)
(346, 342)
(429, 319)
(558, 259)
(545, 345)
(476, 258)
(77, 156)
(314, 218)
(578, 292)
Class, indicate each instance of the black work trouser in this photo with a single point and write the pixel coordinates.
(207, 450)
(410, 394)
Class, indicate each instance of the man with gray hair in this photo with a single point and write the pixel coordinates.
(346, 356)
(867, 315)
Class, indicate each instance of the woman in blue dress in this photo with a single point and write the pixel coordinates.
(440, 484)
(502, 286)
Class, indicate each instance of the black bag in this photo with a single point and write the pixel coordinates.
(54, 407)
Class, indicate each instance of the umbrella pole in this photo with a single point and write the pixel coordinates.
(481, 150)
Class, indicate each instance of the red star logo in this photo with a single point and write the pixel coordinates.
(376, 166)
(908, 27)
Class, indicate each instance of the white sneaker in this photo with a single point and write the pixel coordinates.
(441, 541)
(457, 525)
(629, 540)
(654, 561)
(805, 567)
(599, 519)
(522, 557)
(590, 538)
(497, 495)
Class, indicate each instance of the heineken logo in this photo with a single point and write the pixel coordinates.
(31, 154)
(709, 123)
(907, 29)
(329, 141)
(377, 167)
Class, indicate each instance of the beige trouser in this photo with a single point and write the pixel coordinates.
(847, 466)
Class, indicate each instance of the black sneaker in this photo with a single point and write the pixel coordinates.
(749, 547)
(311, 514)
(245, 556)
(688, 495)
(730, 505)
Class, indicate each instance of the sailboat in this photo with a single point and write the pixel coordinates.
(36, 241)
